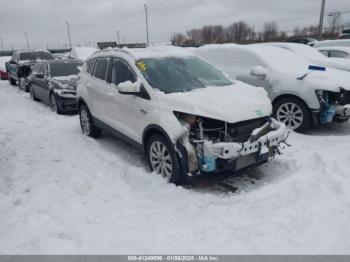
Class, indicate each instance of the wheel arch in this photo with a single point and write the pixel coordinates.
(283, 96)
(153, 130)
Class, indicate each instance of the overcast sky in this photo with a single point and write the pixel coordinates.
(98, 20)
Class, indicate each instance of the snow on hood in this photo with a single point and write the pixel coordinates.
(234, 103)
(331, 79)
(66, 82)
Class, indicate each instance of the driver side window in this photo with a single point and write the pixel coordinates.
(121, 72)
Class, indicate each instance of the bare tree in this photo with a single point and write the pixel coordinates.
(270, 31)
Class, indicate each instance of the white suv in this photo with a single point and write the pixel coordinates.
(183, 113)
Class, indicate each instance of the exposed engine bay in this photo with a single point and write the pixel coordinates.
(335, 106)
(214, 145)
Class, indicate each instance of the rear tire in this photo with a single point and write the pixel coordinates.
(163, 159)
(87, 123)
(293, 113)
(12, 81)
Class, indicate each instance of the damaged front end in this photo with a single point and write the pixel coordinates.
(335, 106)
(213, 146)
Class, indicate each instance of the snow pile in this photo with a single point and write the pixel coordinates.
(3, 60)
(63, 193)
(82, 53)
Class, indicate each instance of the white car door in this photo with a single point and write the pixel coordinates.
(98, 89)
(127, 113)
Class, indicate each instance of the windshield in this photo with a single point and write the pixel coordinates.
(64, 69)
(180, 74)
(35, 56)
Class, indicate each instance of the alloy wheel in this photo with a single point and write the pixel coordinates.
(160, 159)
(85, 121)
(291, 115)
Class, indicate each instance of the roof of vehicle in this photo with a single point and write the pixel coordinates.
(33, 51)
(83, 52)
(340, 42)
(345, 49)
(301, 49)
(149, 52)
(271, 55)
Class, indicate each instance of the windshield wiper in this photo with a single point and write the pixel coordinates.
(303, 76)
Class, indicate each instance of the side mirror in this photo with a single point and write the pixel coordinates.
(259, 71)
(128, 88)
(39, 75)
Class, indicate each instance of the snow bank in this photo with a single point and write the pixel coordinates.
(3, 60)
(63, 193)
(82, 53)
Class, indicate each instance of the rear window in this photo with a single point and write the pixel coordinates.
(101, 68)
(36, 56)
(90, 66)
(64, 69)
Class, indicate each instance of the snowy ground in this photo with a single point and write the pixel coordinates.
(61, 192)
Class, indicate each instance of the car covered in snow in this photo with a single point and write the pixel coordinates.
(82, 53)
(22, 62)
(315, 57)
(186, 116)
(54, 83)
(340, 42)
(335, 51)
(302, 94)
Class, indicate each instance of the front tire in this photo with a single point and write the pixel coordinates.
(293, 113)
(87, 123)
(54, 105)
(163, 159)
(32, 93)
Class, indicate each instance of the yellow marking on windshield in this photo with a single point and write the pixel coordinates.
(141, 65)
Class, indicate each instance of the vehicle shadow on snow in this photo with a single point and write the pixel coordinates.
(332, 129)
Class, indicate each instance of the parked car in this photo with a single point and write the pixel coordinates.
(340, 42)
(335, 51)
(54, 83)
(344, 36)
(182, 112)
(21, 63)
(82, 53)
(3, 73)
(302, 95)
(304, 41)
(315, 57)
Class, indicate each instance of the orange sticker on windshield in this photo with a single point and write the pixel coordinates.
(141, 65)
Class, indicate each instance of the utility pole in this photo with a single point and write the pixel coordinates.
(320, 26)
(26, 36)
(147, 25)
(118, 37)
(68, 32)
(2, 44)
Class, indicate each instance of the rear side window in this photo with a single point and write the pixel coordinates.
(101, 68)
(90, 66)
(338, 54)
(121, 72)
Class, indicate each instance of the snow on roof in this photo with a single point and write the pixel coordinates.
(275, 57)
(335, 48)
(340, 42)
(305, 51)
(158, 51)
(82, 52)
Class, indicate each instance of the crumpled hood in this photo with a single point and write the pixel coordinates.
(234, 103)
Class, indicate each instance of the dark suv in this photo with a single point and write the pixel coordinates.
(21, 63)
